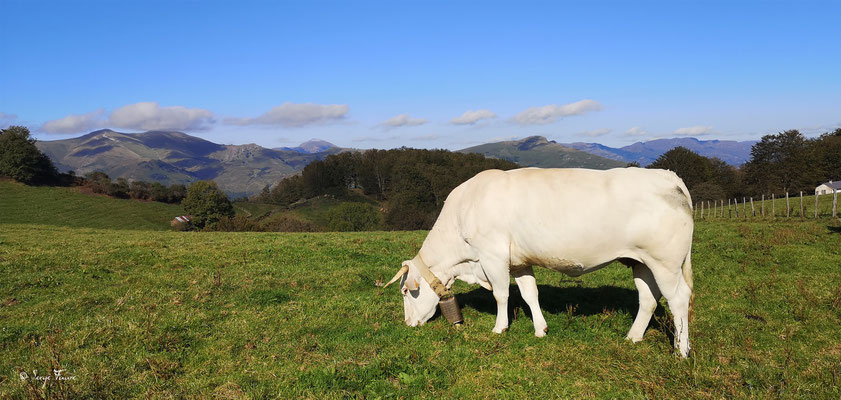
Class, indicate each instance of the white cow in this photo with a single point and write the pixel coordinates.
(575, 221)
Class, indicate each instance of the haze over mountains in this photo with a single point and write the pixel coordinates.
(174, 157)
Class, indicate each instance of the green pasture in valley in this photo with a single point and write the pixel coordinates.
(151, 314)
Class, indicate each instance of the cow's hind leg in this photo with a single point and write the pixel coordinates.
(649, 294)
(528, 289)
(674, 288)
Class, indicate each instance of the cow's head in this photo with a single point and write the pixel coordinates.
(419, 297)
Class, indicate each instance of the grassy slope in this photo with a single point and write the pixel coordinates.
(59, 206)
(313, 210)
(144, 314)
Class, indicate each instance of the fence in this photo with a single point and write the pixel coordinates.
(824, 205)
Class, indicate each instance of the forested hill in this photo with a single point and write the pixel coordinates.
(537, 151)
(411, 184)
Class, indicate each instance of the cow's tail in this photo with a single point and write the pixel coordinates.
(687, 276)
(687, 267)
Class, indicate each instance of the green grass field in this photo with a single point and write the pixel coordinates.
(61, 206)
(150, 314)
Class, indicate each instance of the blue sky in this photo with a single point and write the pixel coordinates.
(421, 74)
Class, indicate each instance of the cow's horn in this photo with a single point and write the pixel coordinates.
(400, 273)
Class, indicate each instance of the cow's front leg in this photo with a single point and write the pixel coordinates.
(528, 289)
(501, 295)
(497, 272)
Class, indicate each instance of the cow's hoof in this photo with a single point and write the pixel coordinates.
(634, 339)
(541, 332)
(498, 330)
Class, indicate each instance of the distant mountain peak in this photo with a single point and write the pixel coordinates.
(310, 146)
(532, 142)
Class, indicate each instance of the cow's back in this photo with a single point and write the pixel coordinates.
(570, 216)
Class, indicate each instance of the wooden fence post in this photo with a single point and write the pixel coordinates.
(816, 205)
(788, 208)
(801, 204)
(752, 210)
(729, 211)
(702, 210)
(736, 200)
(715, 208)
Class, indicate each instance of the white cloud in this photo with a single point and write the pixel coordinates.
(150, 116)
(402, 120)
(595, 132)
(373, 139)
(74, 123)
(697, 130)
(293, 115)
(426, 138)
(636, 131)
(549, 113)
(7, 117)
(471, 117)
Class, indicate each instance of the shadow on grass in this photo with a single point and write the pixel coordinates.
(557, 300)
(575, 300)
(834, 229)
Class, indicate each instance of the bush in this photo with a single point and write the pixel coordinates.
(98, 182)
(206, 204)
(286, 223)
(353, 217)
(21, 160)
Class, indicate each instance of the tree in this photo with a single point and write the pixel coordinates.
(98, 182)
(139, 190)
(21, 160)
(688, 165)
(176, 193)
(119, 188)
(353, 217)
(828, 154)
(785, 162)
(158, 192)
(206, 204)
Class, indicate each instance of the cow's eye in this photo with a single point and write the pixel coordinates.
(405, 290)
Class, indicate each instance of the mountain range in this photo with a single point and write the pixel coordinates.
(175, 157)
(730, 151)
(241, 170)
(537, 151)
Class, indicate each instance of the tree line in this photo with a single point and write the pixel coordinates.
(786, 162)
(412, 184)
(100, 182)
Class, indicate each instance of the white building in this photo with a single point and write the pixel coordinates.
(827, 188)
